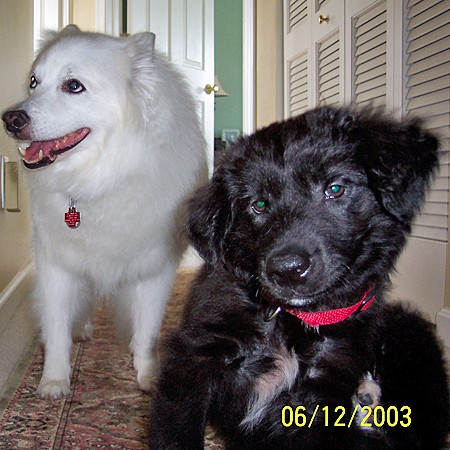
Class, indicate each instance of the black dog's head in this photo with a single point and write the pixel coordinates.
(316, 207)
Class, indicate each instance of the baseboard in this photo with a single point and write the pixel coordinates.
(443, 325)
(17, 326)
(14, 294)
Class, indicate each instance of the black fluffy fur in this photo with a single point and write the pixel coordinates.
(344, 245)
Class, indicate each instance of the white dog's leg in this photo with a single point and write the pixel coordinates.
(58, 296)
(148, 301)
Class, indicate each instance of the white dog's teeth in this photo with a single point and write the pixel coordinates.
(41, 155)
(22, 147)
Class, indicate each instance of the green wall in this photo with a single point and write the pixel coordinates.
(228, 64)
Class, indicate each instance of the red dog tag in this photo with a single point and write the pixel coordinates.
(72, 217)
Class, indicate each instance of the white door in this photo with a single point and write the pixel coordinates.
(185, 34)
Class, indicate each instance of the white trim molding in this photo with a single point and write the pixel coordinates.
(248, 69)
(14, 294)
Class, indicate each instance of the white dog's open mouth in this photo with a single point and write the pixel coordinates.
(43, 153)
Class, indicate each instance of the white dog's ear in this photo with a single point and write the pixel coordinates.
(70, 29)
(140, 47)
(48, 36)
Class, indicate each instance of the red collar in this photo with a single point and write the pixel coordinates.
(334, 315)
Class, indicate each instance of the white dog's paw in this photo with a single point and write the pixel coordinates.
(53, 389)
(145, 373)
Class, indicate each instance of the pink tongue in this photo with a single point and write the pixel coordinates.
(32, 152)
(52, 147)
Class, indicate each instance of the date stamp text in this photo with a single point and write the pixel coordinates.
(365, 416)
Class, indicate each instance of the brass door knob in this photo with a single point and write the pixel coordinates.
(210, 89)
(323, 19)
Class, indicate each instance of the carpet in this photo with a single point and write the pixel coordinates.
(105, 408)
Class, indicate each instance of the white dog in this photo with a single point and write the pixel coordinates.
(116, 149)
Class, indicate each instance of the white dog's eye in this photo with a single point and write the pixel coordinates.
(73, 86)
(334, 191)
(33, 82)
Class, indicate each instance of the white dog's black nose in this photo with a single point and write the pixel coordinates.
(288, 268)
(16, 121)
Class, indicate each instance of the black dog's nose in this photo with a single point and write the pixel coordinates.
(16, 121)
(288, 268)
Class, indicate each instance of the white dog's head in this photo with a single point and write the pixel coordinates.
(80, 94)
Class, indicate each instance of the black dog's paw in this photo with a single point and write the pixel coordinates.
(368, 392)
(366, 399)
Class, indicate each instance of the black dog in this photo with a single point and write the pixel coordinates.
(287, 334)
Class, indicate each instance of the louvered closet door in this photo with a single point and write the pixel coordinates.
(422, 267)
(328, 52)
(297, 92)
(298, 84)
(314, 54)
(428, 95)
(329, 70)
(369, 49)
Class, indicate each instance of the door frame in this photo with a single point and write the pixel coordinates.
(248, 41)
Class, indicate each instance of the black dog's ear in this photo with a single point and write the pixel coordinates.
(400, 159)
(209, 214)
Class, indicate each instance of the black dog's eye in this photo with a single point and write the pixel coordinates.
(33, 82)
(73, 86)
(259, 206)
(334, 191)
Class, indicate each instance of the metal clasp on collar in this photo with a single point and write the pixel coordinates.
(369, 297)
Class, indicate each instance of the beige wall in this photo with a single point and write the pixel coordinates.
(16, 53)
(269, 62)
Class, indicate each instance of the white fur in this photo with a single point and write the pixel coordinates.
(130, 179)
(281, 377)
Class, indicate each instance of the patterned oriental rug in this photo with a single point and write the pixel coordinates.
(105, 408)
